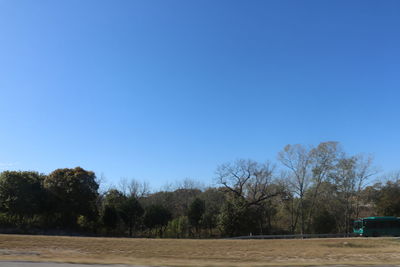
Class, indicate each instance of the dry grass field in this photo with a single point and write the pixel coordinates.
(179, 252)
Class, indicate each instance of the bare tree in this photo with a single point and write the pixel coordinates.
(123, 186)
(288, 200)
(364, 170)
(102, 181)
(189, 183)
(324, 158)
(350, 176)
(393, 176)
(134, 188)
(248, 180)
(298, 159)
(344, 178)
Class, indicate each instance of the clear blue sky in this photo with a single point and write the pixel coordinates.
(163, 90)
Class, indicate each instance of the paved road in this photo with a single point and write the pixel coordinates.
(50, 264)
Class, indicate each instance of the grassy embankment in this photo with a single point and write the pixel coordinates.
(179, 252)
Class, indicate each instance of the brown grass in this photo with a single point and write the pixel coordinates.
(180, 252)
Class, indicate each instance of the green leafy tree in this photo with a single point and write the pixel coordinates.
(114, 198)
(195, 213)
(176, 201)
(112, 202)
(178, 227)
(110, 218)
(21, 194)
(214, 199)
(131, 211)
(236, 218)
(323, 222)
(388, 202)
(328, 209)
(74, 192)
(157, 216)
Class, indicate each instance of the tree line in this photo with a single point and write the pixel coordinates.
(313, 189)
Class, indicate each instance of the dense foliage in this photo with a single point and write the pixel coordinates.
(316, 190)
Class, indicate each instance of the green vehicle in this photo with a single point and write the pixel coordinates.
(377, 226)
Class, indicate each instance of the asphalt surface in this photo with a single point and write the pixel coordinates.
(51, 264)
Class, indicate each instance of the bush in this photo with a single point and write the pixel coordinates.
(178, 228)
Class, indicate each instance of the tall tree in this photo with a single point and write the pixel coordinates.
(344, 178)
(298, 159)
(236, 218)
(364, 170)
(350, 175)
(75, 191)
(249, 186)
(195, 213)
(388, 200)
(110, 206)
(248, 180)
(213, 199)
(130, 211)
(21, 193)
(324, 158)
(114, 198)
(134, 187)
(110, 218)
